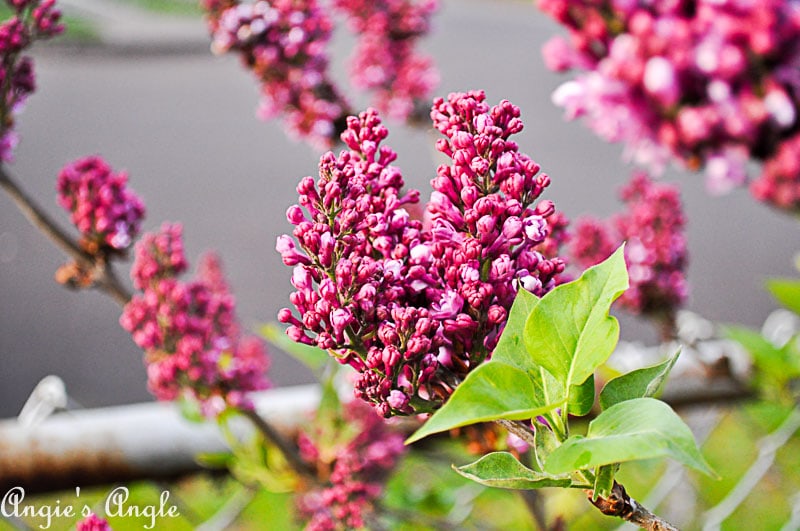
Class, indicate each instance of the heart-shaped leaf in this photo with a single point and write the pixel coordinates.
(501, 469)
(642, 428)
(641, 383)
(569, 332)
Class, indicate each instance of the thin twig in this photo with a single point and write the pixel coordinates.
(272, 435)
(103, 273)
(106, 280)
(768, 447)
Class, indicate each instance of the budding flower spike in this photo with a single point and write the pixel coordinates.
(414, 306)
(656, 252)
(32, 20)
(192, 341)
(105, 211)
(708, 85)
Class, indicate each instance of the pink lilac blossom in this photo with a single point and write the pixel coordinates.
(189, 332)
(656, 254)
(31, 20)
(284, 43)
(778, 183)
(414, 307)
(358, 467)
(105, 211)
(92, 523)
(706, 84)
(385, 59)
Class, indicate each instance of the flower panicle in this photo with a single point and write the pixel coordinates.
(413, 305)
(653, 225)
(188, 329)
(707, 85)
(32, 20)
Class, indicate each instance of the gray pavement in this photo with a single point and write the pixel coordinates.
(125, 27)
(182, 124)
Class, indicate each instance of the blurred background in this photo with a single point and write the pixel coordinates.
(136, 83)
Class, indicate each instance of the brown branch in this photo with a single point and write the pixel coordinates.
(621, 505)
(103, 274)
(104, 278)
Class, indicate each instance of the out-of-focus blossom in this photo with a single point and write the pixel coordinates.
(284, 43)
(105, 211)
(706, 84)
(93, 523)
(188, 330)
(32, 20)
(414, 308)
(355, 467)
(779, 183)
(656, 255)
(385, 59)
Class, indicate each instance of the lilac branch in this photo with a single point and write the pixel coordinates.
(102, 272)
(105, 279)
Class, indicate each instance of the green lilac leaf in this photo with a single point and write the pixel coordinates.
(502, 469)
(545, 442)
(312, 357)
(779, 363)
(603, 481)
(641, 428)
(581, 398)
(492, 391)
(215, 460)
(641, 383)
(786, 291)
(569, 332)
(511, 347)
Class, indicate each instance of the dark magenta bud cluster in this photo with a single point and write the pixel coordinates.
(359, 464)
(705, 84)
(656, 253)
(192, 341)
(385, 58)
(106, 212)
(413, 306)
(32, 20)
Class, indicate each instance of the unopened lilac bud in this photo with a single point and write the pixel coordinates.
(397, 400)
(496, 315)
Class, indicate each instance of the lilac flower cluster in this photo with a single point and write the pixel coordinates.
(188, 330)
(93, 523)
(32, 20)
(385, 59)
(284, 43)
(706, 84)
(358, 467)
(105, 211)
(414, 308)
(655, 253)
